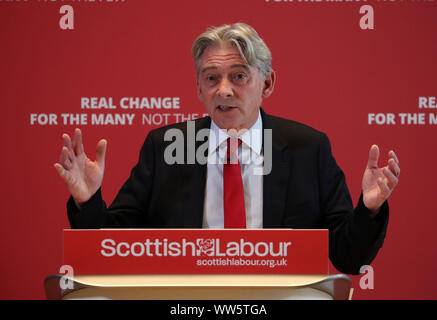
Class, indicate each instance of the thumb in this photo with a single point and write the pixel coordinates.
(64, 174)
(373, 157)
(100, 152)
(59, 169)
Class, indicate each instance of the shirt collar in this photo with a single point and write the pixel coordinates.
(252, 138)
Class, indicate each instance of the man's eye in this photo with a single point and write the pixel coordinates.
(240, 77)
(211, 78)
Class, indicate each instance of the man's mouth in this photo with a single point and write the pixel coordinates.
(225, 108)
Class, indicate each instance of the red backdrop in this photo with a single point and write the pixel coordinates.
(331, 75)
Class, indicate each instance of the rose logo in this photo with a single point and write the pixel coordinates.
(205, 247)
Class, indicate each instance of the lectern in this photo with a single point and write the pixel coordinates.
(205, 264)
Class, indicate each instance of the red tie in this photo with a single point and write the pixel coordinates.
(235, 214)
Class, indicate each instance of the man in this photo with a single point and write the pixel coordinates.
(303, 189)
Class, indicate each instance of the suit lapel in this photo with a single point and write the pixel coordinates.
(275, 184)
(196, 173)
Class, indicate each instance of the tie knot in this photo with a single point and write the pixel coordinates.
(231, 153)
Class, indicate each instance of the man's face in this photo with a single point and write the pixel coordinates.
(230, 89)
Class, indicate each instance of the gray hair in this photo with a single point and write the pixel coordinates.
(240, 35)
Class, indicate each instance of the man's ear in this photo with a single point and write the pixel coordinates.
(199, 91)
(269, 84)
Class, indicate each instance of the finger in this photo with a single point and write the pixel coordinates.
(63, 155)
(100, 152)
(394, 167)
(67, 141)
(68, 145)
(77, 142)
(64, 159)
(372, 163)
(392, 155)
(392, 180)
(385, 190)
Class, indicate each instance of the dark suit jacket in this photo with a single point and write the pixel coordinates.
(305, 189)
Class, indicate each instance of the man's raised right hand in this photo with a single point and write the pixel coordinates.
(82, 176)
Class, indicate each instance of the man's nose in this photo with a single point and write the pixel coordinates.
(225, 89)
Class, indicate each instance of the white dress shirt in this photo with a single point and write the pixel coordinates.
(250, 157)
